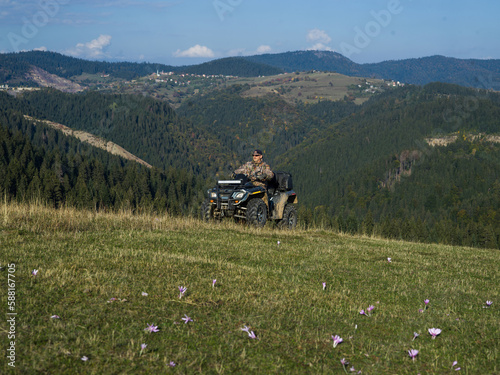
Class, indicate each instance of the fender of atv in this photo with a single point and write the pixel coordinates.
(279, 201)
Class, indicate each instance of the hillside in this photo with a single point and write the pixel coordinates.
(42, 164)
(91, 139)
(148, 128)
(14, 66)
(112, 293)
(376, 166)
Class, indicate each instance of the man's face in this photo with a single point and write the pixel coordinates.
(256, 158)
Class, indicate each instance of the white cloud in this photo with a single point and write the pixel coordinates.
(264, 49)
(195, 51)
(42, 48)
(318, 36)
(93, 49)
(320, 39)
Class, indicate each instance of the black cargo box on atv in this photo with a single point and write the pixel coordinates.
(282, 181)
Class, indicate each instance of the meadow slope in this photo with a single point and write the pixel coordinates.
(102, 279)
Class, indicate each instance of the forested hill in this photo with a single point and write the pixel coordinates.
(14, 66)
(484, 74)
(241, 124)
(232, 66)
(376, 166)
(38, 163)
(148, 128)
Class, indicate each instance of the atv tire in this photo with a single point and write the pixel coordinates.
(207, 211)
(256, 212)
(289, 220)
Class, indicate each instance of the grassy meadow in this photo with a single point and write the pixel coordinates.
(102, 279)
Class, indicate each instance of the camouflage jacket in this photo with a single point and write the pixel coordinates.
(259, 174)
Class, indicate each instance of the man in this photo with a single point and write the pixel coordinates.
(256, 170)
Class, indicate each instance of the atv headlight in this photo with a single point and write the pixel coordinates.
(238, 195)
(213, 194)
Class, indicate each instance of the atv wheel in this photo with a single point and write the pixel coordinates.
(256, 212)
(207, 211)
(289, 220)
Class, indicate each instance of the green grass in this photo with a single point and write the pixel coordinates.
(86, 259)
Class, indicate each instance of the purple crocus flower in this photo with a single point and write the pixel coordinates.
(84, 358)
(172, 364)
(151, 328)
(336, 340)
(413, 353)
(362, 312)
(434, 332)
(187, 319)
(389, 260)
(182, 290)
(488, 304)
(324, 286)
(415, 335)
(370, 308)
(55, 317)
(251, 334)
(343, 361)
(213, 283)
(426, 301)
(144, 294)
(34, 272)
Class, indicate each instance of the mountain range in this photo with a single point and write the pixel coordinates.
(483, 74)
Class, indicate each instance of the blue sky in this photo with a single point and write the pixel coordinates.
(185, 32)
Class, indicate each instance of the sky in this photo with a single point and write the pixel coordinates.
(187, 32)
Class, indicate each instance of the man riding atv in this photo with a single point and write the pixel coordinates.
(258, 172)
(255, 194)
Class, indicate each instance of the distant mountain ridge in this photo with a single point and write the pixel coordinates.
(484, 74)
(477, 73)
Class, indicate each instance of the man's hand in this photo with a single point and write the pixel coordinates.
(259, 176)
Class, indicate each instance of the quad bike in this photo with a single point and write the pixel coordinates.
(241, 200)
